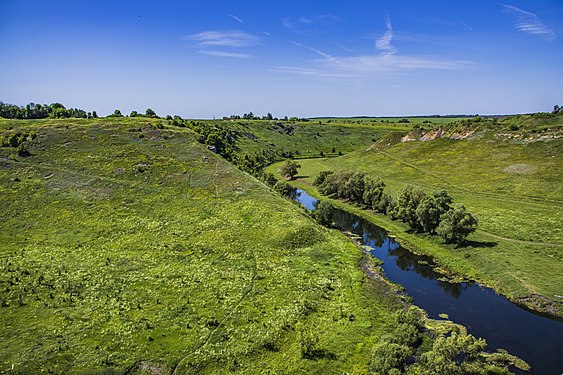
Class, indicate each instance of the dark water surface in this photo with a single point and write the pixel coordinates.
(536, 339)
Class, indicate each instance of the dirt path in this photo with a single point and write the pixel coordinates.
(512, 240)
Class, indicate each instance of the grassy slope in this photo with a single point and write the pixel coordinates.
(516, 211)
(308, 138)
(119, 246)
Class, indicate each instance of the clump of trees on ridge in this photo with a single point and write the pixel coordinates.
(38, 111)
(424, 213)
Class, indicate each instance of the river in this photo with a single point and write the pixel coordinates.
(536, 339)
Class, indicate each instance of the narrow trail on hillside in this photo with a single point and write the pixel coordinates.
(530, 200)
(229, 314)
(512, 240)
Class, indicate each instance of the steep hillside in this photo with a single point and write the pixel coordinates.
(128, 245)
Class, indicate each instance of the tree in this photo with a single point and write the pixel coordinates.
(320, 179)
(373, 191)
(407, 204)
(269, 116)
(269, 178)
(353, 188)
(428, 214)
(285, 189)
(150, 113)
(456, 225)
(289, 169)
(443, 201)
(116, 113)
(94, 114)
(134, 114)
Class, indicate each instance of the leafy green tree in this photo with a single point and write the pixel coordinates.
(116, 113)
(428, 214)
(289, 169)
(320, 179)
(388, 358)
(443, 201)
(269, 178)
(285, 189)
(407, 204)
(353, 188)
(134, 114)
(386, 205)
(94, 114)
(456, 225)
(373, 192)
(150, 113)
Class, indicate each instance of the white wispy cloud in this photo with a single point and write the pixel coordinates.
(319, 52)
(309, 20)
(387, 61)
(225, 54)
(529, 22)
(384, 43)
(467, 27)
(236, 18)
(233, 38)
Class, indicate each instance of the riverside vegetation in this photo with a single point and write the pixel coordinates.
(127, 246)
(505, 171)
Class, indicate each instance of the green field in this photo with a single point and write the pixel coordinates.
(306, 139)
(122, 242)
(513, 186)
(128, 247)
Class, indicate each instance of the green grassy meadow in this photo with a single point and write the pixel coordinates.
(129, 247)
(308, 139)
(512, 186)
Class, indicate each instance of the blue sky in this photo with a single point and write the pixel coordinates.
(202, 59)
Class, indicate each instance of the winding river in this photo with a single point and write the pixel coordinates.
(536, 339)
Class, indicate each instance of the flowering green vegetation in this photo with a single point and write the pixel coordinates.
(127, 246)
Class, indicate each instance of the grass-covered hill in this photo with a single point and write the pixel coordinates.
(128, 246)
(124, 245)
(507, 171)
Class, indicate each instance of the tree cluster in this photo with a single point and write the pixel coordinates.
(453, 352)
(557, 109)
(430, 213)
(39, 111)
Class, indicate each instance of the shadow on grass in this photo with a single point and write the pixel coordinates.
(299, 177)
(320, 354)
(479, 244)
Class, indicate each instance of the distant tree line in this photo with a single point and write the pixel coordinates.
(267, 117)
(424, 213)
(39, 111)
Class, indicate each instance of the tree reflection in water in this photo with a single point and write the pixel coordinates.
(377, 239)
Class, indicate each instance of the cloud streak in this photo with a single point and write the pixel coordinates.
(319, 52)
(387, 61)
(236, 18)
(529, 22)
(233, 38)
(304, 20)
(384, 43)
(225, 54)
